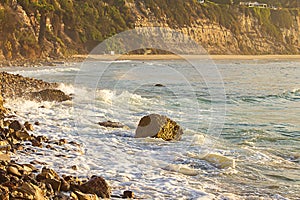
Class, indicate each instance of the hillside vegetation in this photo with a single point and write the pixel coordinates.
(56, 28)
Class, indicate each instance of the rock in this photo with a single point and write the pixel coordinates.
(13, 170)
(4, 157)
(96, 185)
(112, 124)
(50, 95)
(159, 85)
(64, 185)
(27, 190)
(219, 160)
(74, 167)
(4, 193)
(82, 196)
(36, 143)
(158, 126)
(128, 194)
(2, 109)
(22, 135)
(16, 125)
(50, 177)
(28, 126)
(37, 123)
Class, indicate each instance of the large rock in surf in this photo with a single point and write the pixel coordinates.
(96, 185)
(158, 126)
(50, 95)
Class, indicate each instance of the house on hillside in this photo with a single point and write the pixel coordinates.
(254, 4)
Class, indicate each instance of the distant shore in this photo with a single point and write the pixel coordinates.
(180, 57)
(82, 57)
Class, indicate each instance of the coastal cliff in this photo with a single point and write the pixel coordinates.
(34, 29)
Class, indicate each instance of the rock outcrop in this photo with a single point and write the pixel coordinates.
(16, 86)
(50, 95)
(158, 126)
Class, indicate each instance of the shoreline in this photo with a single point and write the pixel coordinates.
(182, 57)
(106, 57)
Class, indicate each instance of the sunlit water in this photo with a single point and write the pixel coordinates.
(261, 130)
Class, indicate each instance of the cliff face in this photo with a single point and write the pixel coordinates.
(55, 28)
(251, 37)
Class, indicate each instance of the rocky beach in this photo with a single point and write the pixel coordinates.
(34, 180)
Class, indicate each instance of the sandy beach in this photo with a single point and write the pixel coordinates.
(180, 57)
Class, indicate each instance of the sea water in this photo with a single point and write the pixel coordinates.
(260, 131)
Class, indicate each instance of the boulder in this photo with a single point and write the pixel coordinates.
(16, 125)
(82, 196)
(50, 95)
(29, 191)
(158, 126)
(96, 185)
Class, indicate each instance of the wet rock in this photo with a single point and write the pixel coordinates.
(96, 185)
(50, 95)
(159, 85)
(64, 185)
(74, 167)
(111, 124)
(219, 161)
(28, 126)
(82, 196)
(62, 142)
(37, 123)
(128, 194)
(158, 126)
(36, 143)
(22, 135)
(16, 125)
(51, 178)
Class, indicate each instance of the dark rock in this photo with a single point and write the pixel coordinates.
(64, 185)
(62, 142)
(112, 124)
(159, 85)
(74, 167)
(96, 185)
(16, 125)
(37, 123)
(158, 126)
(22, 135)
(36, 143)
(50, 95)
(128, 194)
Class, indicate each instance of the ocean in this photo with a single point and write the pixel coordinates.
(245, 110)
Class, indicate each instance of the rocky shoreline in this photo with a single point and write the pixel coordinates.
(34, 180)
